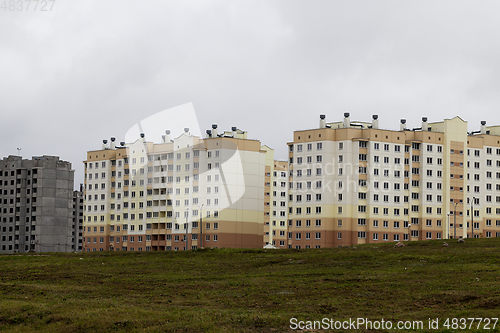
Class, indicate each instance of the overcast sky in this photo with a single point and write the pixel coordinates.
(90, 70)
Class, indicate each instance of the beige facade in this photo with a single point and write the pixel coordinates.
(344, 183)
(275, 200)
(268, 190)
(279, 217)
(354, 183)
(146, 196)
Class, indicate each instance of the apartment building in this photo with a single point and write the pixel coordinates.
(275, 200)
(354, 183)
(280, 195)
(146, 196)
(36, 198)
(268, 194)
(77, 233)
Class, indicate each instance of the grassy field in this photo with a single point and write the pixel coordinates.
(228, 290)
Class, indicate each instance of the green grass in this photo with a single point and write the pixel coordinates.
(238, 290)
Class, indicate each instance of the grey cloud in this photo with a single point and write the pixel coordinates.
(90, 70)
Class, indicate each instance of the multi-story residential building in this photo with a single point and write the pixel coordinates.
(354, 183)
(275, 200)
(78, 219)
(36, 198)
(280, 204)
(141, 196)
(268, 193)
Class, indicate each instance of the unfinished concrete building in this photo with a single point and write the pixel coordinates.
(36, 205)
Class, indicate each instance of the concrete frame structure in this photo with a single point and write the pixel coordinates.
(354, 183)
(36, 198)
(78, 218)
(140, 196)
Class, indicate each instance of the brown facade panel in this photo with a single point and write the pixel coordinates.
(232, 240)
